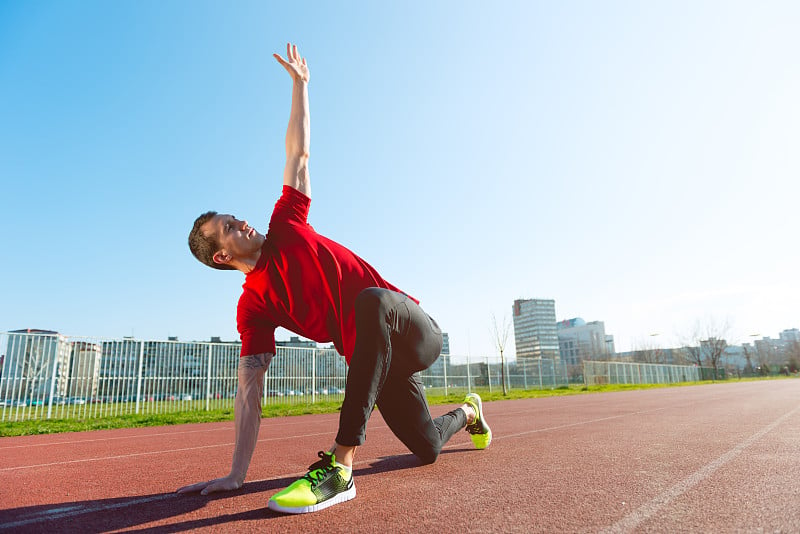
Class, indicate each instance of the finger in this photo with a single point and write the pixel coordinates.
(192, 487)
(280, 59)
(295, 55)
(211, 488)
(289, 51)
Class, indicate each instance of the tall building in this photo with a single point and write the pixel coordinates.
(579, 340)
(535, 334)
(790, 335)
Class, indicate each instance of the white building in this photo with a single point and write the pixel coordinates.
(35, 365)
(579, 340)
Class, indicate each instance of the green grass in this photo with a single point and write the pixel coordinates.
(80, 424)
(53, 426)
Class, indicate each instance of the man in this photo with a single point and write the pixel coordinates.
(300, 280)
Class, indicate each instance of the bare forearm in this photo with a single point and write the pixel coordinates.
(298, 133)
(298, 139)
(247, 411)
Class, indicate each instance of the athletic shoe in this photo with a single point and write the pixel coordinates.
(479, 431)
(324, 485)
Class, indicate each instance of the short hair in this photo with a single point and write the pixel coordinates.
(205, 246)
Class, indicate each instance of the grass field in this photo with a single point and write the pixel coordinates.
(189, 413)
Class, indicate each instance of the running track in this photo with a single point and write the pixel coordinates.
(712, 458)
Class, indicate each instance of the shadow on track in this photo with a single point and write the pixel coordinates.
(127, 513)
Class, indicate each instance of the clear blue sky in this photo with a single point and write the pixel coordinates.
(637, 162)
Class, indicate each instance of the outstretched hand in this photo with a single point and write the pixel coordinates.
(294, 64)
(210, 486)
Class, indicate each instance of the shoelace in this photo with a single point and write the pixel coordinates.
(476, 427)
(320, 468)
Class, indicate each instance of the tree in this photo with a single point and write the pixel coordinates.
(500, 335)
(714, 348)
(706, 345)
(648, 351)
(749, 352)
(793, 356)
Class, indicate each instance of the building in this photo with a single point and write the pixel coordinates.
(579, 340)
(84, 369)
(654, 356)
(773, 353)
(295, 341)
(535, 332)
(789, 336)
(36, 364)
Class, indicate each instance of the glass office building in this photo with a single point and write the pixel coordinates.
(535, 333)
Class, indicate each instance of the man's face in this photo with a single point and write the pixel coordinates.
(237, 240)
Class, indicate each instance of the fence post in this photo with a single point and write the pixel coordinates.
(489, 373)
(539, 362)
(53, 378)
(469, 379)
(444, 367)
(208, 380)
(524, 373)
(139, 376)
(313, 376)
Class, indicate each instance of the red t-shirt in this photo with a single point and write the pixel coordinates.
(303, 282)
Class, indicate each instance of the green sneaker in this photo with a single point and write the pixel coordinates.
(324, 485)
(479, 431)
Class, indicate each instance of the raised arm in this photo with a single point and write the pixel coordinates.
(298, 134)
(247, 421)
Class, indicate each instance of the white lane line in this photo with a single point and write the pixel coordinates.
(579, 423)
(150, 453)
(72, 511)
(132, 436)
(377, 427)
(644, 512)
(63, 512)
(77, 510)
(227, 425)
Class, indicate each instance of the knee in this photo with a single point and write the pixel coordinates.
(429, 455)
(370, 300)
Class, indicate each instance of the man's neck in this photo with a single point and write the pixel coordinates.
(247, 265)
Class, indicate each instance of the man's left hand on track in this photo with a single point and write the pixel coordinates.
(210, 486)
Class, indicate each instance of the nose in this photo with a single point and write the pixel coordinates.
(244, 225)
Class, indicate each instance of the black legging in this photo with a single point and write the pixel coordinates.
(395, 340)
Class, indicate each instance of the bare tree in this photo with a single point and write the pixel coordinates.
(714, 348)
(649, 351)
(500, 335)
(749, 354)
(793, 356)
(706, 345)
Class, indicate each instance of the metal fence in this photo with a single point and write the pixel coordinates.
(597, 373)
(46, 375)
(445, 377)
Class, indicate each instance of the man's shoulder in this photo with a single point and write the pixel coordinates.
(292, 204)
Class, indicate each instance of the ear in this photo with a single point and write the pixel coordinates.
(222, 257)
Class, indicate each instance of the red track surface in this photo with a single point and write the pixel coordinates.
(715, 458)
